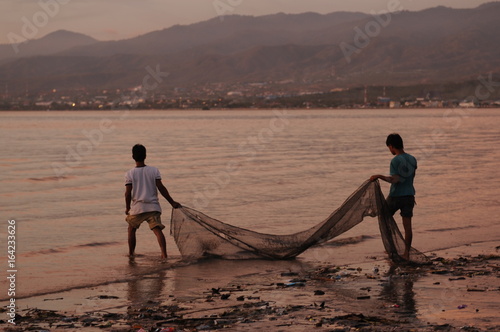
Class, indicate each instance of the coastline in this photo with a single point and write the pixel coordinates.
(458, 291)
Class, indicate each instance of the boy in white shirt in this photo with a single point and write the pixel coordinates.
(141, 199)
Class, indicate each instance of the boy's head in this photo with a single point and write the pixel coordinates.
(139, 152)
(395, 141)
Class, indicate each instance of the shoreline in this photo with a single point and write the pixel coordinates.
(459, 289)
(229, 109)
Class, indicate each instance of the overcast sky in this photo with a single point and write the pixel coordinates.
(119, 19)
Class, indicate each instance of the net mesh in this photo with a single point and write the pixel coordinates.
(198, 235)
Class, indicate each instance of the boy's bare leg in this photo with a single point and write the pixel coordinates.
(408, 237)
(131, 240)
(161, 241)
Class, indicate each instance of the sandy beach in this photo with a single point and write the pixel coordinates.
(457, 292)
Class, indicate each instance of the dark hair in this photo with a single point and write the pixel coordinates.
(395, 140)
(139, 152)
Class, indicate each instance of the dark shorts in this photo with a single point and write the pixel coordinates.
(403, 203)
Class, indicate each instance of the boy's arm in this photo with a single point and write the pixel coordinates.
(128, 197)
(164, 192)
(393, 178)
(390, 179)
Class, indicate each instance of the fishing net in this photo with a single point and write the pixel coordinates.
(198, 235)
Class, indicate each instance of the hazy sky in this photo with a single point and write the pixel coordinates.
(119, 19)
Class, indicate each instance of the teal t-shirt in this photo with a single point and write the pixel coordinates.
(405, 166)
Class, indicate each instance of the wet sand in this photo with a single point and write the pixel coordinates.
(459, 291)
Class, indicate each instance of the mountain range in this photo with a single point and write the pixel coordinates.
(334, 50)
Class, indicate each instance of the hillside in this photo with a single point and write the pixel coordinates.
(52, 43)
(333, 50)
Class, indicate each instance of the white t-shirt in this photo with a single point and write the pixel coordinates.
(144, 192)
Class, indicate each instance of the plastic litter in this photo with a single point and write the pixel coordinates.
(289, 274)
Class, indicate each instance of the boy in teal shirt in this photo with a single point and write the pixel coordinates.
(402, 192)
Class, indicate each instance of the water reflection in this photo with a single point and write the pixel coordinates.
(149, 284)
(398, 290)
(144, 288)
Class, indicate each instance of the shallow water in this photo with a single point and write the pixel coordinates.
(62, 176)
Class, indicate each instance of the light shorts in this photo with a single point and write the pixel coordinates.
(153, 219)
(403, 203)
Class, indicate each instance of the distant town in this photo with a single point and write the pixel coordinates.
(255, 96)
(337, 60)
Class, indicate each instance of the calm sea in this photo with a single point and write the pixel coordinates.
(62, 181)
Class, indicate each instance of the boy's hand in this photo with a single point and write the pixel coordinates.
(176, 205)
